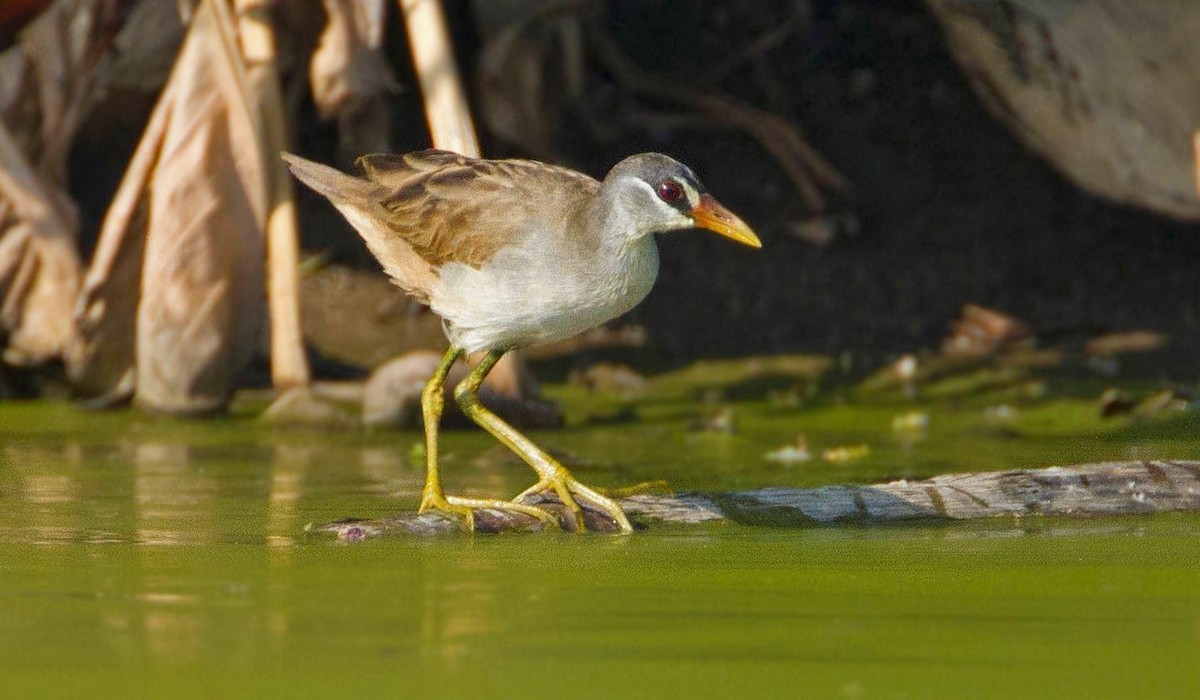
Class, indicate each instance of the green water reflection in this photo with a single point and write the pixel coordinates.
(150, 558)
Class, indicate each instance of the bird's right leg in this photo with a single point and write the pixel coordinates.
(433, 401)
(553, 474)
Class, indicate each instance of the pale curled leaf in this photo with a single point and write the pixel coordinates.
(191, 211)
(64, 49)
(100, 356)
(38, 279)
(347, 70)
(47, 84)
(39, 268)
(349, 77)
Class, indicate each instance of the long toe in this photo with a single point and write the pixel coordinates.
(473, 511)
(443, 505)
(484, 504)
(659, 486)
(572, 493)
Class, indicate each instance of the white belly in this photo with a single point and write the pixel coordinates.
(527, 297)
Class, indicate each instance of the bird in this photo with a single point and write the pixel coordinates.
(511, 253)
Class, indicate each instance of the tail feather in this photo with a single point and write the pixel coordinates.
(358, 200)
(330, 182)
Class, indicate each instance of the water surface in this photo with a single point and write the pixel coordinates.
(143, 557)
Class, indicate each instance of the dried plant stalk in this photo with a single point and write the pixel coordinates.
(449, 117)
(446, 109)
(289, 366)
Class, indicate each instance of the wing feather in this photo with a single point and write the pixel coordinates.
(451, 208)
(419, 211)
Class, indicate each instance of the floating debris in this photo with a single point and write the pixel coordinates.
(913, 422)
(1115, 402)
(791, 454)
(791, 398)
(611, 377)
(1124, 342)
(983, 331)
(1165, 402)
(722, 422)
(905, 368)
(1001, 421)
(1001, 415)
(848, 453)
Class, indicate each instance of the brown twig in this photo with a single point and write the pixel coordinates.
(765, 42)
(805, 166)
(446, 108)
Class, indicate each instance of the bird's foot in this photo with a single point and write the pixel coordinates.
(466, 507)
(570, 493)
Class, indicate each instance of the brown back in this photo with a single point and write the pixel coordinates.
(451, 208)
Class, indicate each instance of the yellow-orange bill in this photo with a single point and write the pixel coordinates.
(709, 214)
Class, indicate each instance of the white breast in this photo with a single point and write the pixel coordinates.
(526, 295)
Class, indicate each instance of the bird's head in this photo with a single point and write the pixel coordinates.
(662, 194)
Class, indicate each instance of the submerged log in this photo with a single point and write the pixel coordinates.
(1085, 490)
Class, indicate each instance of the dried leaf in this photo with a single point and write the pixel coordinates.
(63, 50)
(145, 49)
(190, 214)
(981, 331)
(1123, 342)
(532, 62)
(46, 86)
(512, 90)
(100, 356)
(350, 78)
(39, 269)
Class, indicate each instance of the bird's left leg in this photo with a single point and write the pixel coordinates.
(432, 496)
(553, 474)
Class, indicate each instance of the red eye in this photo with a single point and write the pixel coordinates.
(669, 191)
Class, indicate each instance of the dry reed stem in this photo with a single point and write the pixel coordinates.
(447, 113)
(289, 365)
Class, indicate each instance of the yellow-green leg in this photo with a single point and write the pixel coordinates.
(432, 497)
(553, 475)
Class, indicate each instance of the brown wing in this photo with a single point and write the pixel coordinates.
(451, 208)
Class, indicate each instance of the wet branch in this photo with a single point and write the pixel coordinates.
(1086, 490)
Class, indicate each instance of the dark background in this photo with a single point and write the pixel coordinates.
(951, 208)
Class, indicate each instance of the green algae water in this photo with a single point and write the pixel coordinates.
(142, 557)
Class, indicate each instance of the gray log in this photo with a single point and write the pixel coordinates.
(1107, 91)
(1085, 490)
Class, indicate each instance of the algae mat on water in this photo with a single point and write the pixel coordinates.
(153, 558)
